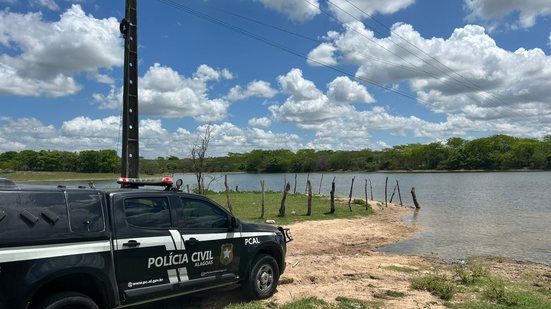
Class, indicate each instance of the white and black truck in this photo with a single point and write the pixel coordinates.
(64, 247)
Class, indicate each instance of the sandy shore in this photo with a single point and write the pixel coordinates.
(335, 258)
(338, 258)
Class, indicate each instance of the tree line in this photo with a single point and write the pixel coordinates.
(498, 152)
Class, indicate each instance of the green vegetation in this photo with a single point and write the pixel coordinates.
(471, 275)
(498, 152)
(486, 290)
(402, 269)
(89, 161)
(389, 294)
(312, 303)
(247, 206)
(55, 176)
(437, 284)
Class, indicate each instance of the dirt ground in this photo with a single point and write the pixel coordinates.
(333, 258)
(338, 258)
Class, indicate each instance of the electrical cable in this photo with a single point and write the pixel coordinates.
(471, 86)
(264, 40)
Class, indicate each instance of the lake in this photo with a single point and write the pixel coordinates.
(462, 214)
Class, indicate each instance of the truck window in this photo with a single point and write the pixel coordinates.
(201, 215)
(85, 212)
(31, 215)
(147, 212)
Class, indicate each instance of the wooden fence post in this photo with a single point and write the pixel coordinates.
(414, 198)
(263, 199)
(227, 193)
(392, 195)
(366, 200)
(350, 195)
(386, 185)
(332, 194)
(371, 188)
(309, 185)
(319, 191)
(399, 194)
(282, 207)
(295, 186)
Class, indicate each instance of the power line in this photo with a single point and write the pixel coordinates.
(387, 49)
(264, 40)
(302, 36)
(269, 42)
(472, 85)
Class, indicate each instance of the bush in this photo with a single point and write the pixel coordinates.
(358, 201)
(437, 285)
(470, 275)
(497, 292)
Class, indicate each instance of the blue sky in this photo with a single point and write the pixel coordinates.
(270, 74)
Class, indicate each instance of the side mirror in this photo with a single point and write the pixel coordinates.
(179, 184)
(233, 223)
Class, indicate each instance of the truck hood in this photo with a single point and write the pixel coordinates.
(258, 227)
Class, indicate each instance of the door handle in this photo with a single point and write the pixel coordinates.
(191, 242)
(131, 244)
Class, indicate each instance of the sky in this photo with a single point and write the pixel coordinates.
(274, 74)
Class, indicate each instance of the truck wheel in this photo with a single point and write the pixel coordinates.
(68, 300)
(263, 277)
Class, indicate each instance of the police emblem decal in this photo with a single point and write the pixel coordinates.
(226, 254)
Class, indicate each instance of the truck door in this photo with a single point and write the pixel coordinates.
(148, 250)
(211, 242)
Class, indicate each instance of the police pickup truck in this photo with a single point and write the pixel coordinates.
(86, 248)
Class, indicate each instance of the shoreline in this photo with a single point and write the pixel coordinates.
(340, 258)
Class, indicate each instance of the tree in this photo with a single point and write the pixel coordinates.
(198, 153)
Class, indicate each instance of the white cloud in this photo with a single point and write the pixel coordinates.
(349, 10)
(51, 53)
(515, 86)
(206, 73)
(296, 10)
(163, 92)
(307, 106)
(342, 89)
(352, 130)
(261, 89)
(260, 122)
(49, 4)
(84, 126)
(323, 55)
(528, 10)
(227, 137)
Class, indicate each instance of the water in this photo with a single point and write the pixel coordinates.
(462, 214)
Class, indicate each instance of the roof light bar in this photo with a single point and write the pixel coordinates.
(161, 181)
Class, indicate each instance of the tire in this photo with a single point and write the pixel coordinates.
(262, 280)
(68, 300)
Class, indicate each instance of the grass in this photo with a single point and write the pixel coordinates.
(437, 284)
(247, 206)
(389, 294)
(486, 290)
(312, 303)
(471, 275)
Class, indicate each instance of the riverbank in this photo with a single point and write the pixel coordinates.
(338, 258)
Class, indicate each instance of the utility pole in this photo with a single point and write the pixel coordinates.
(130, 142)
